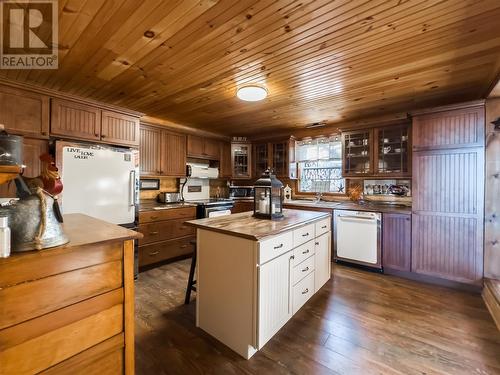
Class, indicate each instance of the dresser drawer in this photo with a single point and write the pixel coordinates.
(164, 230)
(185, 213)
(303, 269)
(303, 234)
(303, 252)
(302, 291)
(275, 246)
(322, 226)
(165, 250)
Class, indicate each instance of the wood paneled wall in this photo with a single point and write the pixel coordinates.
(492, 200)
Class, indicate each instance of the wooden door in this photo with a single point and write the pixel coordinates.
(173, 154)
(75, 120)
(392, 151)
(33, 148)
(225, 160)
(24, 113)
(322, 260)
(279, 154)
(275, 299)
(149, 151)
(357, 151)
(448, 195)
(241, 160)
(396, 241)
(119, 128)
(211, 149)
(195, 146)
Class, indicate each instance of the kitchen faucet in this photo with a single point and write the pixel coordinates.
(319, 195)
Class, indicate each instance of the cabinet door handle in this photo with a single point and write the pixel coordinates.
(316, 243)
(153, 253)
(305, 252)
(103, 135)
(306, 291)
(184, 246)
(305, 234)
(305, 269)
(278, 247)
(154, 217)
(324, 227)
(96, 135)
(153, 233)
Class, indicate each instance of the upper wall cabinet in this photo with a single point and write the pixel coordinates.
(358, 153)
(24, 112)
(279, 155)
(75, 120)
(241, 160)
(82, 121)
(202, 148)
(392, 151)
(162, 153)
(225, 160)
(119, 128)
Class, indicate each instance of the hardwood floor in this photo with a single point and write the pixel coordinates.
(359, 323)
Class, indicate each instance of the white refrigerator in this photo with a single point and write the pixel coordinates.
(99, 181)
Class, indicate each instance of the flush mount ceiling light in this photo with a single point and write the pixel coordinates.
(251, 93)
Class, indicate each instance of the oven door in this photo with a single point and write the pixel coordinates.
(217, 211)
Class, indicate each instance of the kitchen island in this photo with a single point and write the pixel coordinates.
(70, 309)
(254, 274)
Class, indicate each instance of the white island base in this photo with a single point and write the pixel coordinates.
(248, 288)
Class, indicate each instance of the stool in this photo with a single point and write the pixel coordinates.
(191, 282)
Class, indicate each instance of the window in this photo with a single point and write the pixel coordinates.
(320, 165)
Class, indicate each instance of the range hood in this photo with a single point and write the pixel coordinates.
(199, 170)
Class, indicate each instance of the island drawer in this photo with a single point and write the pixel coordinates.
(303, 252)
(303, 269)
(302, 291)
(164, 250)
(322, 226)
(303, 234)
(275, 246)
(164, 230)
(186, 213)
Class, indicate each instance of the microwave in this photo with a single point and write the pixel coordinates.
(241, 192)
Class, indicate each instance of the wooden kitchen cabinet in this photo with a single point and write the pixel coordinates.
(119, 128)
(173, 154)
(261, 159)
(24, 112)
(278, 155)
(202, 148)
(33, 149)
(396, 241)
(242, 206)
(392, 151)
(448, 194)
(225, 160)
(161, 152)
(357, 151)
(322, 259)
(241, 160)
(75, 120)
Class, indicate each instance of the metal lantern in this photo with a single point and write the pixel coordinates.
(268, 197)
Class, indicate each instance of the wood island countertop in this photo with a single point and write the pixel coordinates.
(246, 226)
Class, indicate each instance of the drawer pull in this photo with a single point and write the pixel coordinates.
(153, 253)
(154, 233)
(154, 217)
(316, 243)
(305, 234)
(305, 269)
(305, 252)
(306, 291)
(278, 247)
(324, 227)
(184, 246)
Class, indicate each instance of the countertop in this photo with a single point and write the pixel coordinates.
(246, 226)
(153, 205)
(81, 230)
(346, 205)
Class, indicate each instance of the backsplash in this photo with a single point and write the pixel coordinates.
(167, 184)
(394, 188)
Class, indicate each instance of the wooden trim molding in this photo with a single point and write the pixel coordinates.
(178, 128)
(450, 107)
(491, 297)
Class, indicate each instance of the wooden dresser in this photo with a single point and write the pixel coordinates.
(70, 309)
(165, 235)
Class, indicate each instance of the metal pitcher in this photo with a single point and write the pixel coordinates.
(34, 223)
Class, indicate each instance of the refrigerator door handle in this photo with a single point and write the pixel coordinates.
(132, 189)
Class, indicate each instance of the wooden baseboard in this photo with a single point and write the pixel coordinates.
(491, 297)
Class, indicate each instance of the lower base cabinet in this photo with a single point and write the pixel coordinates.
(396, 241)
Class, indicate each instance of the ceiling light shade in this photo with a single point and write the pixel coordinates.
(251, 93)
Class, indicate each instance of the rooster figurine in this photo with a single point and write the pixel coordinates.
(49, 179)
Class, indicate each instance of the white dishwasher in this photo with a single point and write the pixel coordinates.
(358, 237)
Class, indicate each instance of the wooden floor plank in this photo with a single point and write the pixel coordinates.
(358, 323)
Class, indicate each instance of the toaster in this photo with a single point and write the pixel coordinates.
(168, 197)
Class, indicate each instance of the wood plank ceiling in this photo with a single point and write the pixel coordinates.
(323, 60)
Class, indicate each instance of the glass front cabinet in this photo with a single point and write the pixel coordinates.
(278, 155)
(358, 153)
(241, 160)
